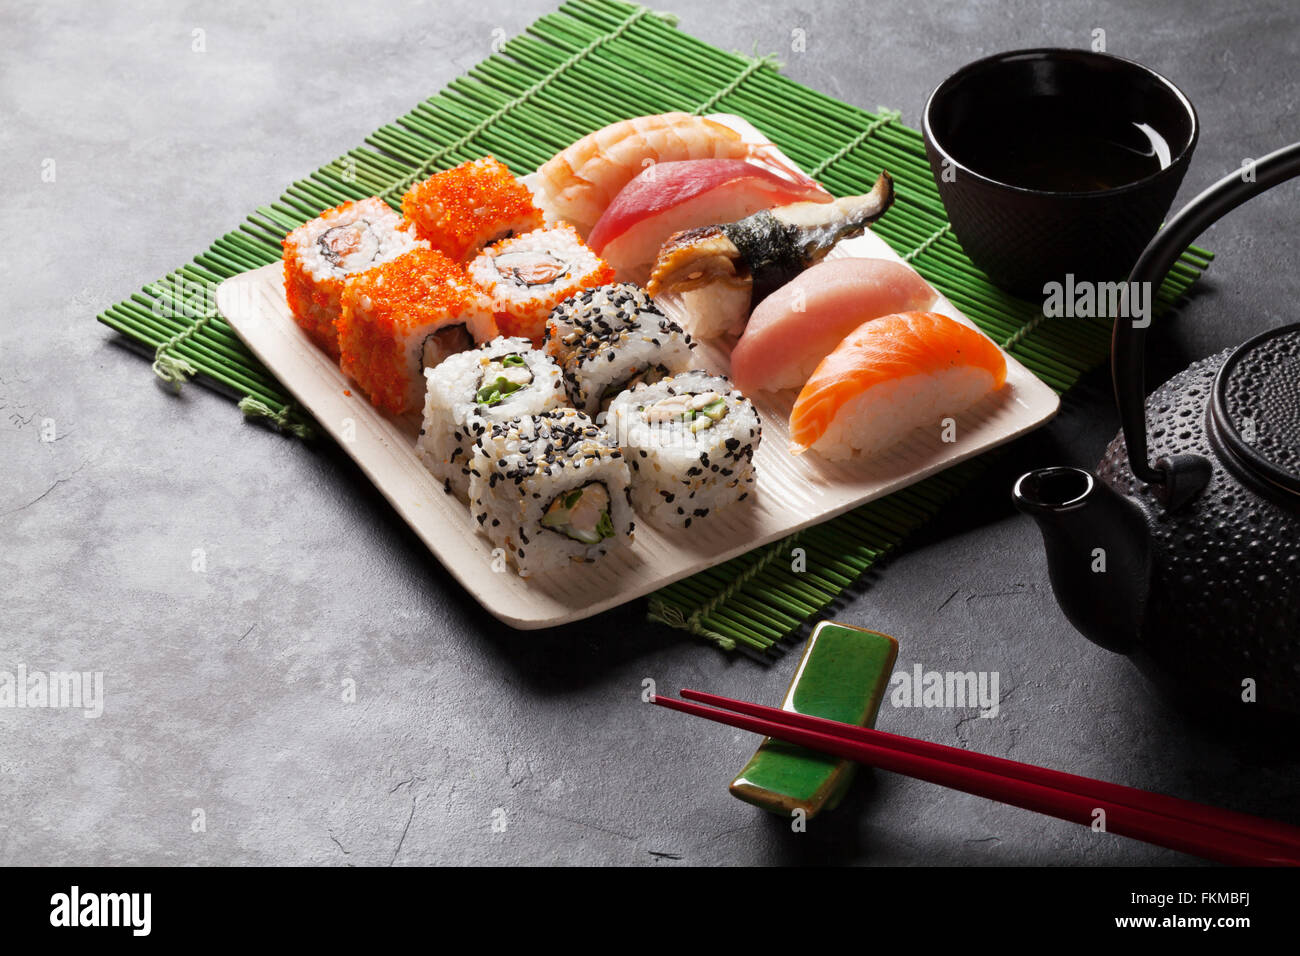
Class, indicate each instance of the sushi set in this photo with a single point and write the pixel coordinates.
(666, 347)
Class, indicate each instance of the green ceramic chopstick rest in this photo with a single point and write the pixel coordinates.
(842, 676)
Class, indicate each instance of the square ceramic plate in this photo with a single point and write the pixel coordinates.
(791, 492)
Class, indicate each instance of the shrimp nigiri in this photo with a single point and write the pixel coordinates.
(890, 376)
(580, 181)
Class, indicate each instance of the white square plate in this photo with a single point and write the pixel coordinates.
(792, 492)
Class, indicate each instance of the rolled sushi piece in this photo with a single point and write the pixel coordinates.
(550, 490)
(689, 441)
(527, 276)
(403, 317)
(611, 339)
(319, 256)
(461, 210)
(470, 391)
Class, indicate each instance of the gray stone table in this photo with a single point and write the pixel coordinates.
(225, 736)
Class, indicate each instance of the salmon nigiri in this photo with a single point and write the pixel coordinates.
(799, 324)
(892, 375)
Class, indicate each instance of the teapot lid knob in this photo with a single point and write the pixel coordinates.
(1255, 409)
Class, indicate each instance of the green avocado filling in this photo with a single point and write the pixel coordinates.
(705, 417)
(503, 376)
(581, 514)
(697, 412)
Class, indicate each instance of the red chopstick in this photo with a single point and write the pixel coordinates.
(1269, 830)
(1209, 833)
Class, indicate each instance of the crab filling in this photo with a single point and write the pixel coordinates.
(695, 412)
(350, 246)
(502, 377)
(581, 514)
(645, 376)
(527, 269)
(448, 340)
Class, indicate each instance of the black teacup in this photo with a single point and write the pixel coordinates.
(1053, 162)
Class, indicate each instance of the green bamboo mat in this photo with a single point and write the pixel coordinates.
(589, 64)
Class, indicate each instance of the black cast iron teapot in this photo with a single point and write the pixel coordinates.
(1191, 562)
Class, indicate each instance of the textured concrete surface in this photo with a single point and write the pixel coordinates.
(226, 736)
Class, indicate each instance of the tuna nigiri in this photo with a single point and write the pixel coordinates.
(890, 376)
(798, 325)
(669, 197)
(723, 271)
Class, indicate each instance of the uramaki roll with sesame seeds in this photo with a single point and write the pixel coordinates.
(610, 339)
(319, 256)
(527, 276)
(403, 317)
(469, 391)
(689, 441)
(461, 210)
(550, 490)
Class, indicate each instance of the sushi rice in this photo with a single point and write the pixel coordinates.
(611, 339)
(689, 441)
(527, 276)
(469, 391)
(319, 256)
(550, 490)
(403, 317)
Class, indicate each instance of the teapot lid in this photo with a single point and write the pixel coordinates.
(1255, 410)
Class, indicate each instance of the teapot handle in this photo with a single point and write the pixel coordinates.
(1179, 478)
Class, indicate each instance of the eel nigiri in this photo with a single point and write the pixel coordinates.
(577, 183)
(668, 197)
(890, 376)
(723, 271)
(800, 323)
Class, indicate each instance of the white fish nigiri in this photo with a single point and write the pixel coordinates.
(800, 323)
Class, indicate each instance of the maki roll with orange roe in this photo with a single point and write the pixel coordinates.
(527, 276)
(461, 210)
(319, 256)
(403, 317)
